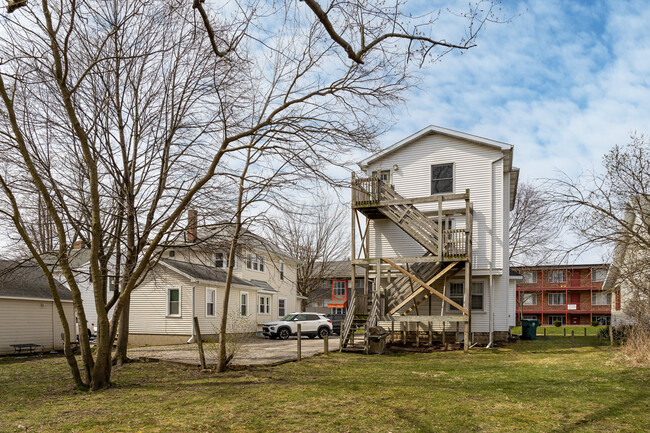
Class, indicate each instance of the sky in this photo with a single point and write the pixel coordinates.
(562, 81)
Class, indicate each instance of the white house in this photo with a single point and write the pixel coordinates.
(189, 280)
(28, 314)
(440, 179)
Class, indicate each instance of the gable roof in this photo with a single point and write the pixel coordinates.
(27, 280)
(505, 148)
(432, 129)
(194, 271)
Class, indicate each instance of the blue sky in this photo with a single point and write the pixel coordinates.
(563, 82)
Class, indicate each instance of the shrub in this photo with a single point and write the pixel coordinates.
(241, 331)
(594, 323)
(636, 348)
(557, 323)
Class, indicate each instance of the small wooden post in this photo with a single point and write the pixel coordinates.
(585, 331)
(430, 334)
(444, 334)
(392, 331)
(611, 335)
(199, 342)
(573, 338)
(417, 334)
(326, 343)
(565, 332)
(299, 355)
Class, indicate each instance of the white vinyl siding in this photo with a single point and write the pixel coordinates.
(472, 170)
(33, 322)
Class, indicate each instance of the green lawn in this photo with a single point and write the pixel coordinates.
(559, 330)
(538, 386)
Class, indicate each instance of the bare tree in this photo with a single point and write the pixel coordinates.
(535, 227)
(116, 116)
(610, 209)
(316, 236)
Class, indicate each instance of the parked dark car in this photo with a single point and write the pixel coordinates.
(337, 320)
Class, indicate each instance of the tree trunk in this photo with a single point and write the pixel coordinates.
(123, 334)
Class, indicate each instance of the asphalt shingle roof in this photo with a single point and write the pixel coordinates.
(202, 272)
(27, 280)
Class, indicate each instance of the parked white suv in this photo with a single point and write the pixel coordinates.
(311, 325)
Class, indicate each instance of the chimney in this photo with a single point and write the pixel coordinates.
(192, 216)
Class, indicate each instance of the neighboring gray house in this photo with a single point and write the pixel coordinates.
(28, 314)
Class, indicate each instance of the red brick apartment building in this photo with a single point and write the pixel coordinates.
(572, 294)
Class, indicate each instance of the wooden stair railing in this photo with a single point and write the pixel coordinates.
(346, 326)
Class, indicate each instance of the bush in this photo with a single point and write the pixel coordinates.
(241, 331)
(594, 323)
(557, 323)
(636, 349)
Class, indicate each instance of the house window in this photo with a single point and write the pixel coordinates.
(477, 296)
(221, 260)
(172, 253)
(243, 303)
(529, 298)
(557, 299)
(599, 275)
(618, 300)
(601, 299)
(530, 277)
(281, 271)
(265, 304)
(210, 301)
(442, 178)
(383, 175)
(530, 317)
(456, 294)
(339, 289)
(255, 262)
(174, 302)
(282, 307)
(339, 310)
(553, 319)
(558, 276)
(111, 284)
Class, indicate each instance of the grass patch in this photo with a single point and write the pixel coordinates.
(529, 386)
(559, 330)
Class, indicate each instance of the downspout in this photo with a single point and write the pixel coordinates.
(191, 340)
(491, 270)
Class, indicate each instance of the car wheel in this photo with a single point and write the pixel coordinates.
(322, 332)
(283, 334)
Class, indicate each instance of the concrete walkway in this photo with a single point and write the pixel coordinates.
(258, 351)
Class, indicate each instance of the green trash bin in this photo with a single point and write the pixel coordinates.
(529, 329)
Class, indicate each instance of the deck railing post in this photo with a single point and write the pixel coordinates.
(440, 231)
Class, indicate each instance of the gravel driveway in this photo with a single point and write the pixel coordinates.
(258, 351)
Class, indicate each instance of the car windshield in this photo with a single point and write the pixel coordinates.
(289, 317)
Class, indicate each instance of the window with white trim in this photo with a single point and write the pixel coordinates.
(338, 288)
(442, 178)
(339, 310)
(255, 262)
(599, 275)
(557, 299)
(111, 284)
(281, 270)
(553, 319)
(210, 302)
(282, 307)
(529, 299)
(174, 302)
(477, 296)
(456, 293)
(557, 276)
(221, 260)
(601, 299)
(243, 303)
(529, 277)
(264, 304)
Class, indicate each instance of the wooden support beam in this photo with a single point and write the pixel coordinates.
(404, 260)
(424, 286)
(433, 319)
